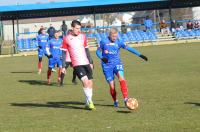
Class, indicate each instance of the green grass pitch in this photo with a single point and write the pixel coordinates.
(167, 88)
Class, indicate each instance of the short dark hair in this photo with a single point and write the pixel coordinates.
(57, 31)
(75, 22)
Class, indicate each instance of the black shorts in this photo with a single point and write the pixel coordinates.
(83, 70)
(67, 64)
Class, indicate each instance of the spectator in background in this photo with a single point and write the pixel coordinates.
(123, 27)
(51, 30)
(189, 25)
(164, 27)
(196, 25)
(64, 28)
(89, 25)
(174, 26)
(148, 23)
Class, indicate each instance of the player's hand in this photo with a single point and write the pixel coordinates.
(63, 70)
(106, 51)
(92, 66)
(144, 57)
(105, 60)
(50, 56)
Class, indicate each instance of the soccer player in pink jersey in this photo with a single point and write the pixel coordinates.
(65, 64)
(76, 44)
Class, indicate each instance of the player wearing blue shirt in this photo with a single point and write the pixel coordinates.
(148, 23)
(55, 54)
(109, 53)
(42, 43)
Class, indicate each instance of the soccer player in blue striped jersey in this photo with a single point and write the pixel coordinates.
(55, 55)
(42, 39)
(109, 53)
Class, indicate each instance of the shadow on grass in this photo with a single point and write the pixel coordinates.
(24, 72)
(34, 82)
(68, 105)
(193, 103)
(107, 105)
(124, 112)
(40, 82)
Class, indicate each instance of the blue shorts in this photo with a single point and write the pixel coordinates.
(110, 70)
(53, 62)
(41, 53)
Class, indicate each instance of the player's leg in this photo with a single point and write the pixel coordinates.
(40, 55)
(120, 74)
(74, 78)
(81, 72)
(109, 75)
(59, 64)
(49, 75)
(113, 93)
(162, 31)
(53, 70)
(88, 86)
(62, 76)
(49, 71)
(39, 65)
(89, 73)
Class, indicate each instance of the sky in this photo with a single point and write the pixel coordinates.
(15, 2)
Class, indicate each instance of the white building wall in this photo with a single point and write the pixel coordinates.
(196, 13)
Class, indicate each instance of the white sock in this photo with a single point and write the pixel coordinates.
(88, 94)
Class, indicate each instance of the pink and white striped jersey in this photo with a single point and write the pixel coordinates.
(76, 46)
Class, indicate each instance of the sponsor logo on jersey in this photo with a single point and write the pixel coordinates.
(111, 44)
(112, 52)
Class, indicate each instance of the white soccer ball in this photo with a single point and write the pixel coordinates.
(132, 103)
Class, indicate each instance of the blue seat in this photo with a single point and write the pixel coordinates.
(137, 36)
(125, 38)
(190, 33)
(198, 32)
(120, 36)
(131, 37)
(20, 44)
(27, 43)
(152, 36)
(34, 43)
(98, 37)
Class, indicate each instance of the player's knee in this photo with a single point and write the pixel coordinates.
(40, 59)
(111, 84)
(121, 79)
(63, 70)
(121, 76)
(90, 83)
(85, 81)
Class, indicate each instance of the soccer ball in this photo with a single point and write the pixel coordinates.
(132, 104)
